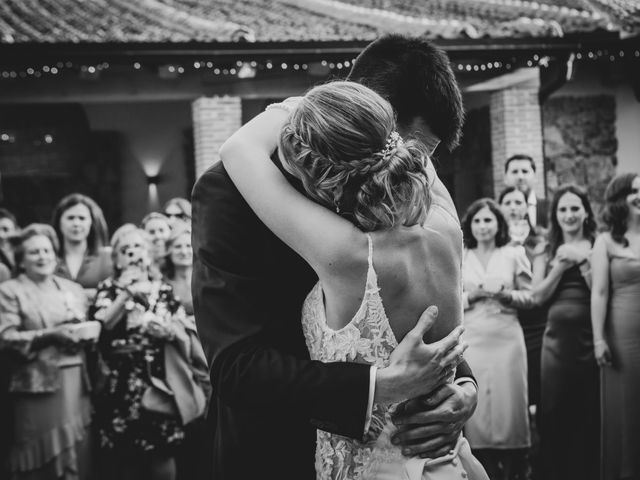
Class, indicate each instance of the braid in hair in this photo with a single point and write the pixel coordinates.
(341, 143)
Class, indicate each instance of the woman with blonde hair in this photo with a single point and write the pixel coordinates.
(140, 413)
(158, 227)
(362, 232)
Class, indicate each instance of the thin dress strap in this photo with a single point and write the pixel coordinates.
(372, 277)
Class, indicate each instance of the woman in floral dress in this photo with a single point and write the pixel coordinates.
(140, 316)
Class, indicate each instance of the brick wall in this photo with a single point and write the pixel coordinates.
(214, 120)
(516, 128)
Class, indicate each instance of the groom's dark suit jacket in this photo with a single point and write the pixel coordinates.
(268, 396)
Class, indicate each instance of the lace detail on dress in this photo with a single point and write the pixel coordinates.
(367, 338)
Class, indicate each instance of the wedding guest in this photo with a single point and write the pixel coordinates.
(178, 264)
(497, 279)
(615, 303)
(570, 406)
(520, 172)
(83, 235)
(513, 203)
(177, 209)
(193, 457)
(8, 227)
(158, 228)
(142, 411)
(51, 406)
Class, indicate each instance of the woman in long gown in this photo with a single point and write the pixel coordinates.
(497, 279)
(570, 404)
(615, 307)
(365, 231)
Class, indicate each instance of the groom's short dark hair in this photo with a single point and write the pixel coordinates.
(416, 77)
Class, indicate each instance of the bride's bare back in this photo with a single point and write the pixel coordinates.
(416, 267)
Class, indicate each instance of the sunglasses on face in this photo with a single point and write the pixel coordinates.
(176, 215)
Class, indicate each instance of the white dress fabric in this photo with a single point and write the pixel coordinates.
(497, 353)
(368, 338)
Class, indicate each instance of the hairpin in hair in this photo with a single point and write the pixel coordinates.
(393, 142)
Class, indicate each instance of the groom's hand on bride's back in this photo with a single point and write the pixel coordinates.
(416, 368)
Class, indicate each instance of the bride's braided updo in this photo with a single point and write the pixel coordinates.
(340, 141)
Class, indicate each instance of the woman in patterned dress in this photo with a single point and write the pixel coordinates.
(140, 315)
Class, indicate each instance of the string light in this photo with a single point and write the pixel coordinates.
(235, 66)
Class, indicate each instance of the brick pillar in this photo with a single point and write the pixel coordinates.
(516, 127)
(214, 120)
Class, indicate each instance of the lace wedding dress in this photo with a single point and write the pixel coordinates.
(368, 338)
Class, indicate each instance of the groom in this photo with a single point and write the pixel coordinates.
(248, 289)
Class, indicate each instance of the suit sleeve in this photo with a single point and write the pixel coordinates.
(252, 362)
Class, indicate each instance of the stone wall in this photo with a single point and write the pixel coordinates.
(580, 143)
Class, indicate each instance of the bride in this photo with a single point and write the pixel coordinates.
(361, 227)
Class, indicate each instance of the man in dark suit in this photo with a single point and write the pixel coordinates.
(520, 172)
(268, 397)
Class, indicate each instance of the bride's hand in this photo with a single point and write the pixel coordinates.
(288, 105)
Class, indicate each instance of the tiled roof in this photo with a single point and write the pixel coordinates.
(161, 21)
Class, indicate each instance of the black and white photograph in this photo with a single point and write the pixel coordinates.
(320, 239)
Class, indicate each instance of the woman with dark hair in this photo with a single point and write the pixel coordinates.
(513, 203)
(615, 303)
(42, 322)
(496, 279)
(8, 227)
(83, 236)
(570, 407)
